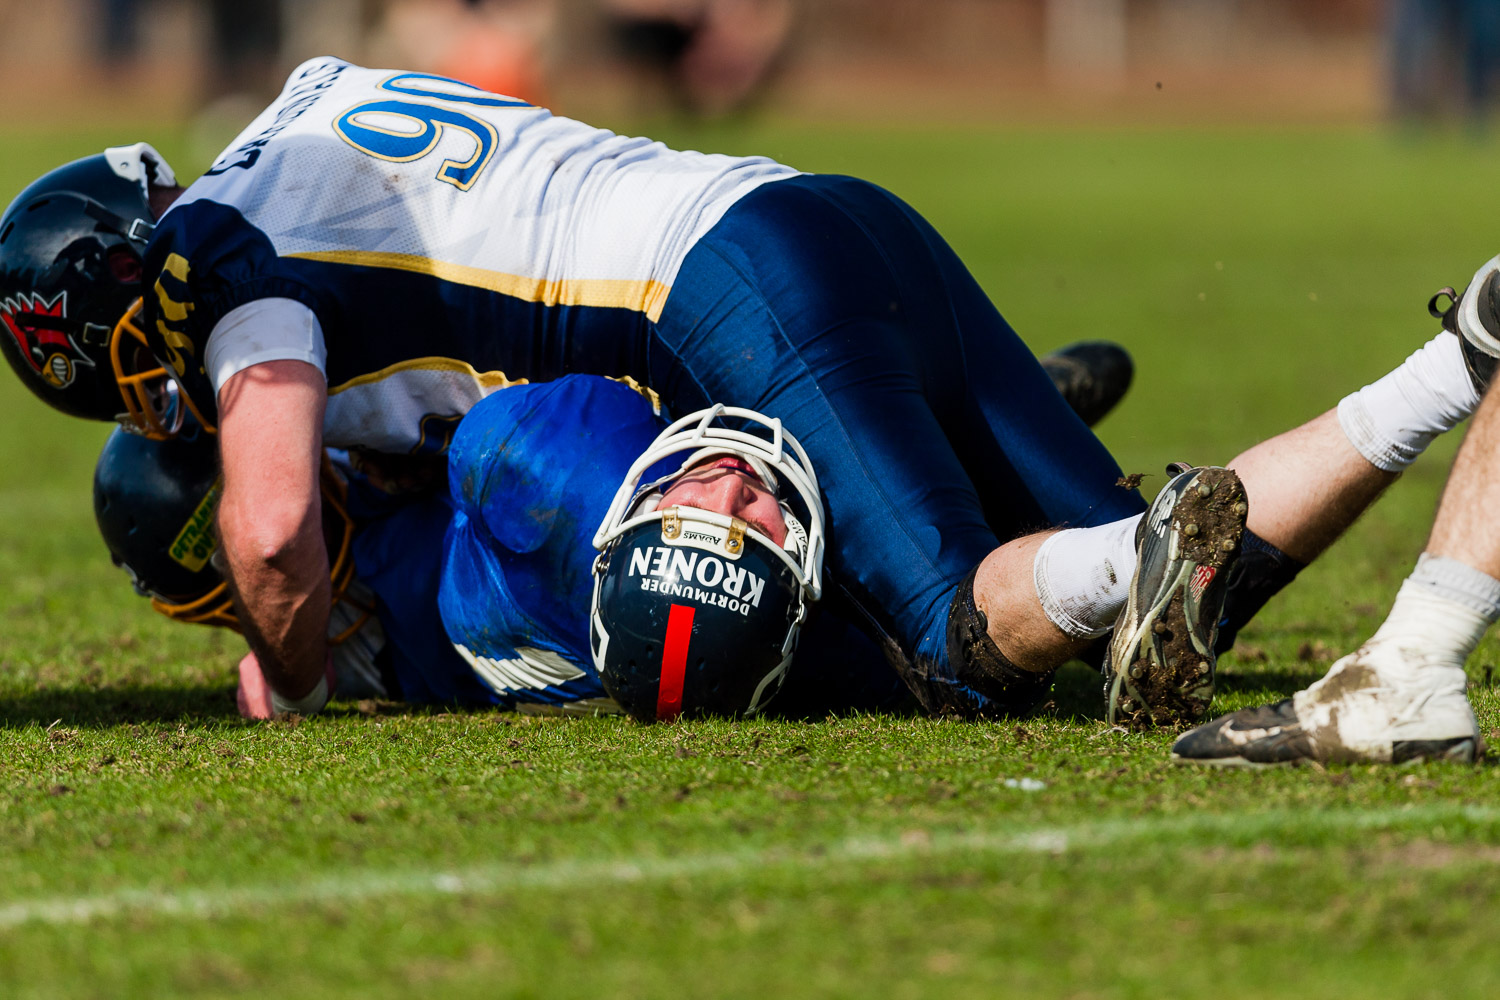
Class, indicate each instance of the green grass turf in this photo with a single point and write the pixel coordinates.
(153, 844)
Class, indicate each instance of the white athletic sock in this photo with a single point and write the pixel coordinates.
(1441, 612)
(1082, 576)
(1393, 419)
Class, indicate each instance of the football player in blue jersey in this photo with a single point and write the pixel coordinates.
(483, 593)
(380, 250)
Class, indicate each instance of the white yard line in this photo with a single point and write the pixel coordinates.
(577, 874)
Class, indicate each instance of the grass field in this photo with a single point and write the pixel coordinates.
(152, 844)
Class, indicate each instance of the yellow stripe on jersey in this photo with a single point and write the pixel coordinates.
(490, 380)
(644, 390)
(638, 296)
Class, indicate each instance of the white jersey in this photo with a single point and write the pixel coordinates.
(425, 243)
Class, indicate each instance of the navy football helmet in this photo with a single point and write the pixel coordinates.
(71, 248)
(695, 612)
(156, 503)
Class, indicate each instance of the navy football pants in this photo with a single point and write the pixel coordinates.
(935, 435)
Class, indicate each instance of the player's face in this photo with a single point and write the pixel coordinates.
(728, 486)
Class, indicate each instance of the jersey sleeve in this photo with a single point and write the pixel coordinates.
(264, 330)
(205, 261)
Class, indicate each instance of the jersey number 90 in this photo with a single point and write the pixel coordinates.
(402, 131)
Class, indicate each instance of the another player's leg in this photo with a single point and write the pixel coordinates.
(1305, 487)
(1310, 483)
(1400, 696)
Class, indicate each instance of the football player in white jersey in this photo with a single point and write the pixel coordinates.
(381, 249)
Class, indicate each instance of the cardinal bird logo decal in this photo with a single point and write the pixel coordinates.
(49, 351)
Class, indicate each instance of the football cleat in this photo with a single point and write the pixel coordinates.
(1160, 667)
(1357, 712)
(1474, 314)
(1091, 375)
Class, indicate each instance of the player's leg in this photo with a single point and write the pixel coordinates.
(801, 304)
(1034, 463)
(1309, 484)
(1400, 696)
(1306, 487)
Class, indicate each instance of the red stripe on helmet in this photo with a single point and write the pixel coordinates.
(674, 653)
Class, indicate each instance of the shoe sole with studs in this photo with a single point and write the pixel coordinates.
(1161, 662)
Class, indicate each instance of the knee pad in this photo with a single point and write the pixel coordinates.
(977, 662)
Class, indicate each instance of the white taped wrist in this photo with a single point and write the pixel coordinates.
(309, 704)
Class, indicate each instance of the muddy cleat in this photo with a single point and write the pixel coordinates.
(1475, 328)
(1474, 314)
(1160, 667)
(1358, 712)
(1091, 375)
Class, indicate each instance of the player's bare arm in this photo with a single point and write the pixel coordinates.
(270, 520)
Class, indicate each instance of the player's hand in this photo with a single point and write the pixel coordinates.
(254, 695)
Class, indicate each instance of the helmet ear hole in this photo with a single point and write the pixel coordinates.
(125, 265)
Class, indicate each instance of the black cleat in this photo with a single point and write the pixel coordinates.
(1160, 668)
(1478, 359)
(1252, 737)
(1091, 375)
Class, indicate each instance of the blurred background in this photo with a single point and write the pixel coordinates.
(1002, 60)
